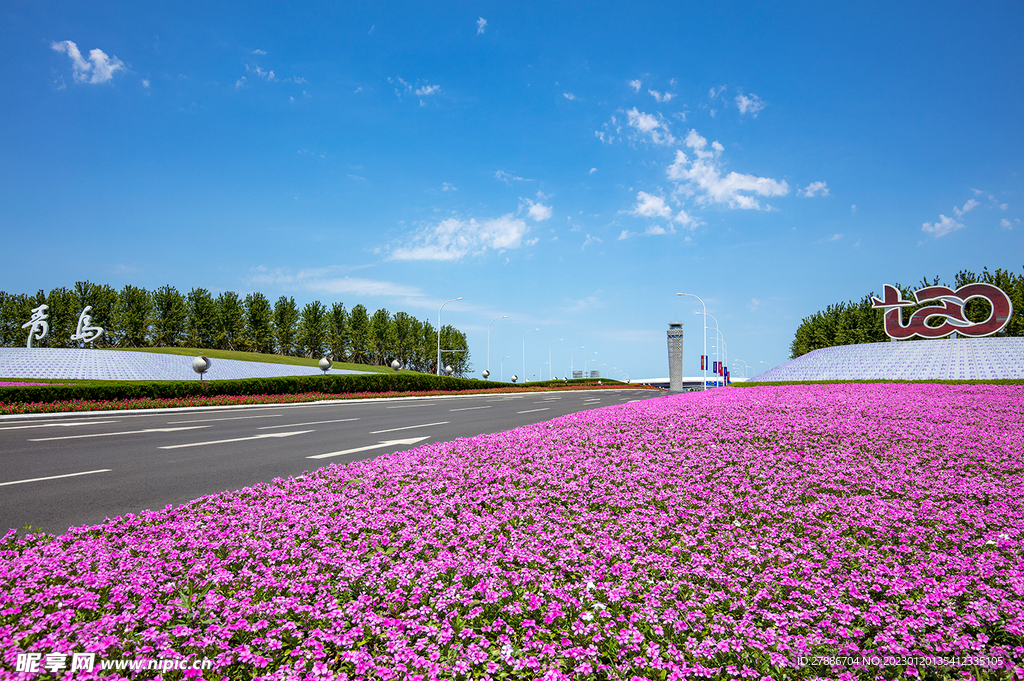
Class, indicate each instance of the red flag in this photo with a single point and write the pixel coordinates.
(702, 362)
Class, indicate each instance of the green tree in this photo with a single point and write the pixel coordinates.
(15, 310)
(170, 317)
(259, 330)
(202, 319)
(103, 301)
(286, 317)
(416, 359)
(382, 341)
(230, 321)
(427, 348)
(453, 339)
(313, 330)
(402, 333)
(131, 317)
(359, 335)
(61, 306)
(339, 332)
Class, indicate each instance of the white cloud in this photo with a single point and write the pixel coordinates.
(655, 230)
(1006, 224)
(508, 178)
(453, 239)
(715, 92)
(650, 126)
(446, 187)
(625, 235)
(481, 24)
(99, 69)
(661, 97)
(650, 206)
(749, 105)
(942, 227)
(240, 82)
(853, 209)
(593, 170)
(145, 82)
(261, 52)
(427, 90)
(971, 203)
(570, 96)
(813, 188)
(590, 239)
(635, 84)
(319, 280)
(538, 211)
(1004, 206)
(703, 177)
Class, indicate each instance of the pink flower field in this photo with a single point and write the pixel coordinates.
(862, 531)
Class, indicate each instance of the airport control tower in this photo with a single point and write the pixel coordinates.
(675, 356)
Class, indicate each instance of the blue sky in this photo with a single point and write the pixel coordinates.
(571, 169)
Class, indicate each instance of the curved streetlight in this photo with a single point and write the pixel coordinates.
(502, 364)
(524, 352)
(570, 358)
(705, 336)
(726, 347)
(745, 367)
(549, 356)
(764, 362)
(439, 332)
(504, 316)
(585, 363)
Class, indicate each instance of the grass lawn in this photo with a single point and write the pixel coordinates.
(258, 357)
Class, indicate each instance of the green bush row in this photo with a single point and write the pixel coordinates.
(333, 384)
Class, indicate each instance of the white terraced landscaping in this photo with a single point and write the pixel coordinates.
(941, 359)
(121, 365)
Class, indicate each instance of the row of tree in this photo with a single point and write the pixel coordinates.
(134, 317)
(850, 323)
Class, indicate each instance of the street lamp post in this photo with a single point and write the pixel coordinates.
(524, 351)
(585, 363)
(725, 349)
(550, 365)
(570, 359)
(439, 332)
(705, 336)
(502, 364)
(505, 316)
(744, 366)
(764, 362)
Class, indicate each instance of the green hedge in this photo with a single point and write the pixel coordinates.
(333, 384)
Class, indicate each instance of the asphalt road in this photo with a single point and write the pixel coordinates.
(61, 471)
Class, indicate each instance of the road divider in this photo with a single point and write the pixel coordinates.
(379, 445)
(262, 436)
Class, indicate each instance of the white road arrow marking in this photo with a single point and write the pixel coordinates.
(379, 445)
(238, 439)
(124, 432)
